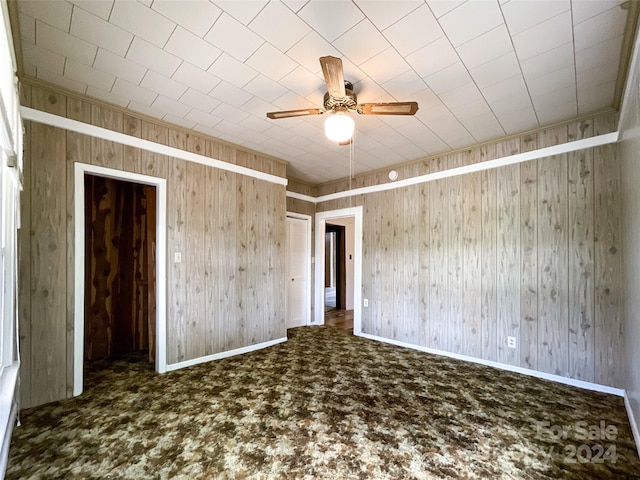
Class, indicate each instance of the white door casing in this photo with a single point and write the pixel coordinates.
(321, 223)
(298, 281)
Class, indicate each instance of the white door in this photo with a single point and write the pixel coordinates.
(297, 272)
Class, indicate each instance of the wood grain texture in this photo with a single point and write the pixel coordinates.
(78, 150)
(553, 230)
(48, 255)
(47, 342)
(410, 244)
(508, 255)
(488, 273)
(609, 340)
(103, 152)
(529, 257)
(455, 253)
(196, 314)
(438, 259)
(581, 257)
(472, 252)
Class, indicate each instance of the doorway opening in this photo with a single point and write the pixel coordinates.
(339, 240)
(338, 262)
(120, 274)
(155, 287)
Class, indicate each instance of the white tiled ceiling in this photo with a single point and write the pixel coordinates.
(480, 69)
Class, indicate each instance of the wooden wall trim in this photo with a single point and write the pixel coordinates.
(124, 139)
(538, 154)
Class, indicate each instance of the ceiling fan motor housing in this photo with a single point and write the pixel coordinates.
(350, 101)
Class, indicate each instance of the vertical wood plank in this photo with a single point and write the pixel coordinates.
(508, 254)
(213, 235)
(581, 266)
(131, 155)
(411, 299)
(608, 333)
(229, 331)
(455, 253)
(398, 320)
(48, 254)
(176, 243)
(424, 246)
(529, 257)
(438, 259)
(195, 266)
(489, 258)
(471, 239)
(553, 355)
(385, 303)
(103, 152)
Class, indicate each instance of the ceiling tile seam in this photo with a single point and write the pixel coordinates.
(575, 66)
(391, 46)
(437, 95)
(526, 85)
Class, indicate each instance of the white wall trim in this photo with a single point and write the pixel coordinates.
(79, 261)
(229, 353)
(309, 276)
(476, 167)
(632, 421)
(321, 222)
(502, 366)
(301, 196)
(479, 167)
(106, 134)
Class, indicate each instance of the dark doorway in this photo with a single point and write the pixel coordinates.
(335, 264)
(120, 259)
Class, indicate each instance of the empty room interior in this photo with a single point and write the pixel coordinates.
(320, 239)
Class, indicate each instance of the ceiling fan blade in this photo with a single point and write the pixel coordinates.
(394, 108)
(295, 113)
(333, 75)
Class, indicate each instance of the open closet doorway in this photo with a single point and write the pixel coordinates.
(120, 272)
(109, 267)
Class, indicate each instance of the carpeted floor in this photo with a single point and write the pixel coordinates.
(326, 405)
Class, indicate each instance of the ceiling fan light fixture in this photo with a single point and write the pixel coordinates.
(339, 127)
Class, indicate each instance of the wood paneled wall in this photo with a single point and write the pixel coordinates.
(529, 250)
(229, 228)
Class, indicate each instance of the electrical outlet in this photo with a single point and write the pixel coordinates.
(511, 342)
(177, 257)
(366, 302)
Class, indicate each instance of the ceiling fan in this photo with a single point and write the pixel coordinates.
(341, 99)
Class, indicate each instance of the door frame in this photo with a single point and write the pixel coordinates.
(307, 250)
(321, 223)
(80, 169)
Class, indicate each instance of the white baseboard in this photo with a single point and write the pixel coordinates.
(228, 353)
(502, 366)
(632, 421)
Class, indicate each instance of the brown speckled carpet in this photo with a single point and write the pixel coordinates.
(326, 405)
